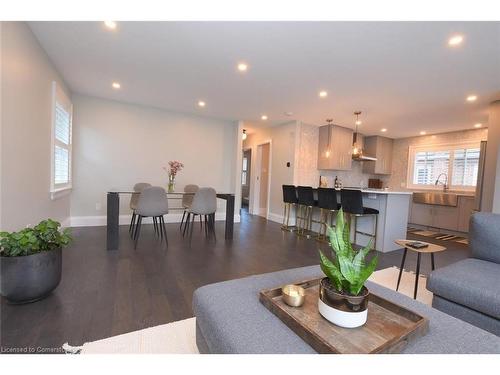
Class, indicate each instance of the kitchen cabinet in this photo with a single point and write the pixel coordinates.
(335, 148)
(381, 148)
(466, 207)
(444, 217)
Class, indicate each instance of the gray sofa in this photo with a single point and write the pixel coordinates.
(470, 289)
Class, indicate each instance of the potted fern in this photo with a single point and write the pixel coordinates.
(343, 298)
(31, 261)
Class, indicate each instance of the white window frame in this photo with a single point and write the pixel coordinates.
(412, 151)
(60, 190)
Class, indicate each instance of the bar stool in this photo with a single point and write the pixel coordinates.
(328, 206)
(289, 200)
(306, 203)
(352, 204)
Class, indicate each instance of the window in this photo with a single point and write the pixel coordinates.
(457, 165)
(244, 174)
(62, 111)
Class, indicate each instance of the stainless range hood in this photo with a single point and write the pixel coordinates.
(357, 146)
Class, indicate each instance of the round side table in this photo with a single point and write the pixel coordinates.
(431, 249)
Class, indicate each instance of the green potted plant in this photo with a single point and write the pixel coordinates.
(31, 261)
(343, 298)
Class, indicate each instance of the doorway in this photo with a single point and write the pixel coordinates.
(262, 180)
(246, 168)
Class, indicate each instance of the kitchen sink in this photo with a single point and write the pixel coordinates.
(436, 198)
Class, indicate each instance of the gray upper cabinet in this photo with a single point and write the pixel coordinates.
(335, 148)
(381, 148)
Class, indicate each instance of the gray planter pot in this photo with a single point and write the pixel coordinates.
(30, 278)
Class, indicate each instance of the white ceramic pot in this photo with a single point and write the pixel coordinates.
(340, 309)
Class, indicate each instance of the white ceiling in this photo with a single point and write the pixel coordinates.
(402, 75)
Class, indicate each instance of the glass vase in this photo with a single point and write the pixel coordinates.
(171, 183)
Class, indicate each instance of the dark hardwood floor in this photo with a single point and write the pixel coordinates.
(106, 293)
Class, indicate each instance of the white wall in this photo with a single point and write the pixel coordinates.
(491, 190)
(117, 145)
(26, 117)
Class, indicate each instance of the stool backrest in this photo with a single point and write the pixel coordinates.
(327, 198)
(204, 202)
(352, 201)
(152, 202)
(305, 195)
(289, 194)
(187, 199)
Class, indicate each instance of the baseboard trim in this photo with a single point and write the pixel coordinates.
(99, 221)
(277, 218)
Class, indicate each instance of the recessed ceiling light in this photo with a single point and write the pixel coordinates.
(323, 94)
(116, 85)
(455, 40)
(242, 67)
(288, 113)
(110, 24)
(423, 132)
(263, 117)
(472, 98)
(383, 130)
(478, 125)
(201, 103)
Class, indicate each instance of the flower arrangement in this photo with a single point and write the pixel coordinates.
(174, 167)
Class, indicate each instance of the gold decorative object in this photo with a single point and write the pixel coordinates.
(293, 295)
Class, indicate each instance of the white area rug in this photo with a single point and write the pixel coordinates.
(172, 338)
(388, 277)
(180, 337)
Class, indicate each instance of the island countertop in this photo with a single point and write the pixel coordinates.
(378, 191)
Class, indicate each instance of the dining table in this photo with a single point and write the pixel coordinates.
(113, 213)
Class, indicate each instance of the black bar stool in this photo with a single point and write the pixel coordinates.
(328, 206)
(289, 200)
(352, 204)
(306, 203)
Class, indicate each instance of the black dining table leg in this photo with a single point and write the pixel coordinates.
(229, 217)
(112, 224)
(401, 268)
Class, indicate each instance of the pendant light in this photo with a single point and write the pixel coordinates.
(357, 148)
(328, 149)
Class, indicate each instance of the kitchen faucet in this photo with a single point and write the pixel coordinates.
(445, 185)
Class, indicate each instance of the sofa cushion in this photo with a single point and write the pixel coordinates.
(471, 282)
(484, 236)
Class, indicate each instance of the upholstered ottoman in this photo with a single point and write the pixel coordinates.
(230, 319)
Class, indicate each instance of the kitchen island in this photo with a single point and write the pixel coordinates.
(393, 207)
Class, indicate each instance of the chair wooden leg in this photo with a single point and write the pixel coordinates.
(213, 227)
(186, 224)
(182, 221)
(206, 225)
(137, 231)
(191, 229)
(201, 224)
(131, 226)
(162, 220)
(159, 227)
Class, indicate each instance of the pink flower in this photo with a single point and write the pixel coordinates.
(174, 167)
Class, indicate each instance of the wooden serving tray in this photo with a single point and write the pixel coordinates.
(388, 329)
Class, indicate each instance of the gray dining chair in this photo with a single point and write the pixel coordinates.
(153, 203)
(204, 203)
(187, 199)
(134, 199)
